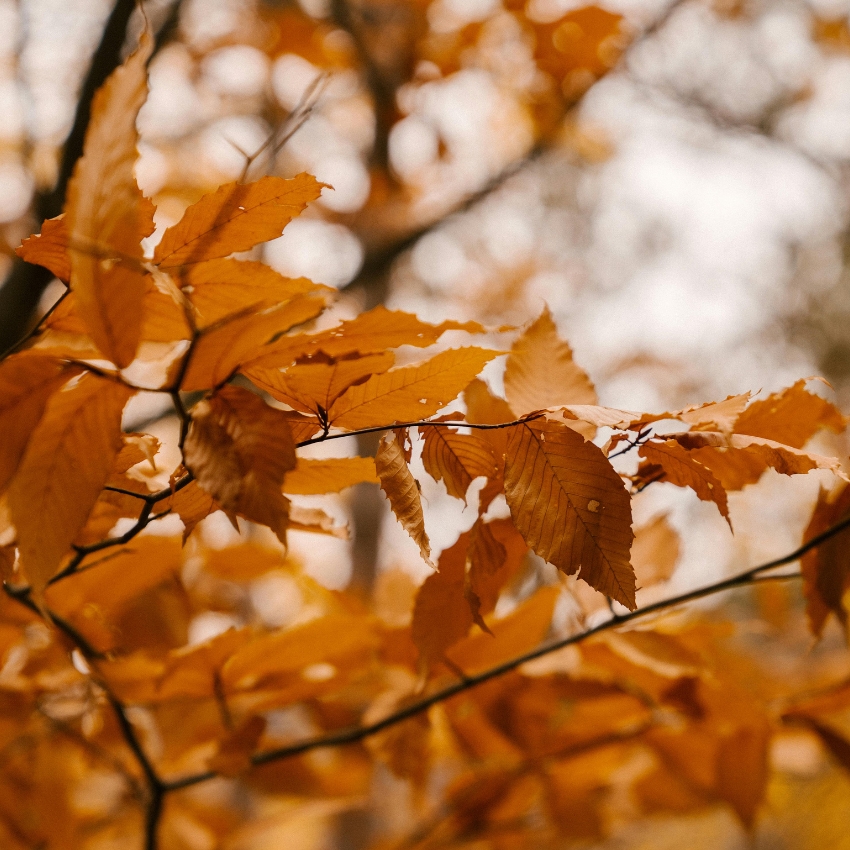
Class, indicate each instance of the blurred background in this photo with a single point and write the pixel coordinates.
(670, 178)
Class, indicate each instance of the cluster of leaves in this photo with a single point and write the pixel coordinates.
(110, 716)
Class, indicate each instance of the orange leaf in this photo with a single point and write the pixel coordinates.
(790, 417)
(678, 466)
(655, 551)
(441, 614)
(49, 248)
(409, 393)
(742, 769)
(233, 754)
(191, 504)
(239, 449)
(235, 217)
(66, 464)
(570, 506)
(319, 380)
(26, 383)
(316, 521)
(328, 475)
(220, 288)
(402, 491)
(457, 459)
(496, 553)
(107, 216)
(221, 348)
(540, 371)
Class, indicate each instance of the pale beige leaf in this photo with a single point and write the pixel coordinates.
(570, 506)
(315, 520)
(402, 491)
(457, 459)
(26, 383)
(220, 288)
(316, 382)
(328, 475)
(235, 217)
(107, 215)
(66, 464)
(540, 371)
(239, 449)
(680, 467)
(409, 393)
(221, 348)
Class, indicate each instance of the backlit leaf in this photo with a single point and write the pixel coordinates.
(411, 392)
(457, 459)
(49, 248)
(234, 218)
(67, 462)
(496, 554)
(192, 504)
(328, 475)
(107, 216)
(570, 506)
(655, 551)
(239, 450)
(402, 491)
(742, 769)
(540, 371)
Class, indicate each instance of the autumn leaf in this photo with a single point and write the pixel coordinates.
(233, 754)
(742, 769)
(457, 459)
(67, 461)
(316, 382)
(235, 217)
(239, 449)
(655, 551)
(540, 371)
(49, 248)
(570, 506)
(107, 216)
(221, 348)
(192, 504)
(411, 392)
(402, 491)
(496, 554)
(26, 383)
(328, 475)
(680, 467)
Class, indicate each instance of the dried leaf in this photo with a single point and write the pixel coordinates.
(402, 491)
(26, 383)
(540, 371)
(66, 463)
(742, 770)
(496, 554)
(678, 466)
(409, 393)
(239, 450)
(328, 475)
(235, 217)
(191, 504)
(570, 506)
(49, 248)
(233, 754)
(221, 348)
(655, 551)
(457, 459)
(315, 520)
(107, 216)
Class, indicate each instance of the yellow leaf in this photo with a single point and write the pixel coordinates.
(790, 417)
(164, 317)
(328, 475)
(441, 614)
(235, 217)
(66, 464)
(540, 371)
(221, 348)
(457, 459)
(26, 383)
(680, 467)
(402, 491)
(49, 248)
(409, 393)
(239, 449)
(570, 506)
(220, 288)
(317, 381)
(107, 216)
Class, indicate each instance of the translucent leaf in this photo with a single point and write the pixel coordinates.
(328, 475)
(66, 464)
(457, 459)
(107, 216)
(655, 551)
(402, 491)
(409, 393)
(235, 217)
(239, 449)
(570, 506)
(49, 248)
